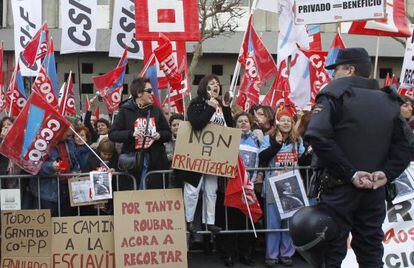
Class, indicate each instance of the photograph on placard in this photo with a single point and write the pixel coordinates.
(101, 185)
(404, 185)
(289, 193)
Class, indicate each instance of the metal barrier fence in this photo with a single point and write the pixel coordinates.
(307, 180)
(19, 178)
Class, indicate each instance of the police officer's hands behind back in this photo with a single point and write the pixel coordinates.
(362, 180)
(379, 179)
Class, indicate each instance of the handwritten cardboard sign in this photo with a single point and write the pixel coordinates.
(213, 150)
(83, 242)
(26, 238)
(150, 229)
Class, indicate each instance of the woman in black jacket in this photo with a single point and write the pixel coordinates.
(129, 128)
(206, 108)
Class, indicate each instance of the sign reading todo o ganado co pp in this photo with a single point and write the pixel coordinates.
(328, 11)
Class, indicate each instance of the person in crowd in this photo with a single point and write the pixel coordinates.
(303, 119)
(406, 108)
(264, 119)
(62, 159)
(146, 148)
(362, 143)
(168, 111)
(204, 109)
(81, 149)
(241, 245)
(5, 124)
(174, 121)
(100, 128)
(282, 147)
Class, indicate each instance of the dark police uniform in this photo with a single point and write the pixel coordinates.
(357, 127)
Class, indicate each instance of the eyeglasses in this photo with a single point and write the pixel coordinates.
(148, 90)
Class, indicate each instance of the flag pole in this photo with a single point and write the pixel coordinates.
(145, 68)
(376, 58)
(250, 214)
(87, 145)
(65, 93)
(236, 72)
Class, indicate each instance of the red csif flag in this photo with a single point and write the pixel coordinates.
(35, 131)
(37, 46)
(259, 67)
(395, 23)
(67, 99)
(234, 193)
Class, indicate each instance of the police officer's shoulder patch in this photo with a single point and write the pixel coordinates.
(318, 108)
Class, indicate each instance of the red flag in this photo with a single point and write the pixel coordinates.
(43, 85)
(67, 99)
(33, 134)
(395, 23)
(387, 81)
(259, 67)
(235, 197)
(167, 63)
(96, 112)
(16, 93)
(37, 46)
(318, 74)
(394, 83)
(110, 85)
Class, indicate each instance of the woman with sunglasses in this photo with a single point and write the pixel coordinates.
(130, 128)
(204, 109)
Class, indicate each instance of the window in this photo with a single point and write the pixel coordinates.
(197, 79)
(384, 71)
(73, 77)
(238, 80)
(125, 90)
(87, 68)
(217, 69)
(87, 88)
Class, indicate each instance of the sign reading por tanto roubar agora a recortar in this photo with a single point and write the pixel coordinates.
(212, 150)
(150, 229)
(331, 11)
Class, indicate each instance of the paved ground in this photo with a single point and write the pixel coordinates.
(201, 260)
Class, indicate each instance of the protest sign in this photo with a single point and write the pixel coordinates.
(289, 193)
(150, 229)
(78, 31)
(26, 238)
(213, 150)
(398, 239)
(407, 71)
(123, 31)
(10, 199)
(328, 11)
(80, 192)
(83, 242)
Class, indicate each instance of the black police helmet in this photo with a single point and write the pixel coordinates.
(311, 226)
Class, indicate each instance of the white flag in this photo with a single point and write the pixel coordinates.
(123, 31)
(79, 19)
(268, 5)
(27, 18)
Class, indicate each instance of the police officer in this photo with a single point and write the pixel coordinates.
(361, 144)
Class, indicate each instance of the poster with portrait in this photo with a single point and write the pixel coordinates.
(101, 185)
(289, 193)
(405, 185)
(80, 192)
(250, 156)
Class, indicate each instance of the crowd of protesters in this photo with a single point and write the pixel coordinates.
(276, 136)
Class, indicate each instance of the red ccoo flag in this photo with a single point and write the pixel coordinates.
(259, 67)
(37, 47)
(35, 131)
(235, 196)
(67, 99)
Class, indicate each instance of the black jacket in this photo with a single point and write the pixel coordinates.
(199, 114)
(123, 128)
